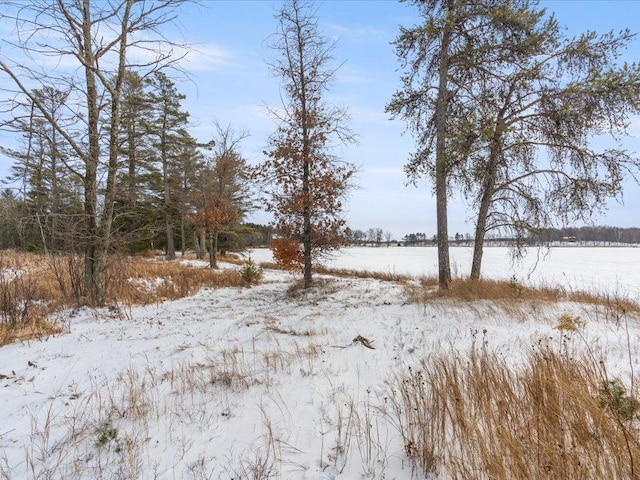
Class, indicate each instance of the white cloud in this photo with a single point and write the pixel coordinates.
(207, 58)
(358, 34)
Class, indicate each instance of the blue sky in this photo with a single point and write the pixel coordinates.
(229, 81)
(236, 90)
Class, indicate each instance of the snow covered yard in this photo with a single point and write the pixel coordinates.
(603, 269)
(261, 382)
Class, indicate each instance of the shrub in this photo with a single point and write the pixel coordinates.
(614, 397)
(250, 272)
(105, 434)
(287, 253)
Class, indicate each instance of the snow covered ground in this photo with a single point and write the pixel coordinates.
(611, 270)
(266, 382)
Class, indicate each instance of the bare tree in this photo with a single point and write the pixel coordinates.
(306, 184)
(100, 41)
(387, 237)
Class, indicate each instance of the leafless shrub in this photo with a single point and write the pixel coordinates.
(68, 271)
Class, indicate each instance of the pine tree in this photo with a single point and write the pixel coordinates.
(168, 127)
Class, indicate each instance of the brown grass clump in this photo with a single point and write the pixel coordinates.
(232, 258)
(342, 272)
(482, 289)
(136, 281)
(28, 296)
(554, 417)
(346, 273)
(507, 294)
(33, 287)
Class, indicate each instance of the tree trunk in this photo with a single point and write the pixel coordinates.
(481, 230)
(306, 158)
(182, 237)
(171, 247)
(203, 245)
(488, 190)
(306, 238)
(212, 251)
(106, 221)
(444, 268)
(92, 273)
(196, 246)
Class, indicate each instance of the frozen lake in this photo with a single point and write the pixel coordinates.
(604, 269)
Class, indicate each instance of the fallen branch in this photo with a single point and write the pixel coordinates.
(364, 341)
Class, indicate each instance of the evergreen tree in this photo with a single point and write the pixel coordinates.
(168, 125)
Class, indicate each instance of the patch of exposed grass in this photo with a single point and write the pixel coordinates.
(136, 281)
(344, 273)
(507, 294)
(33, 287)
(37, 328)
(382, 276)
(477, 416)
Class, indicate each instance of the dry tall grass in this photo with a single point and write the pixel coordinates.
(510, 295)
(553, 417)
(105, 431)
(34, 287)
(344, 272)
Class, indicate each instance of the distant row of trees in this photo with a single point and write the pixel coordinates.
(422, 238)
(605, 234)
(375, 236)
(589, 234)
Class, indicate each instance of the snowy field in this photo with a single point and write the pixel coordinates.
(597, 269)
(263, 383)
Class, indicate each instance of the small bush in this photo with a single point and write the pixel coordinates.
(614, 397)
(515, 286)
(287, 254)
(250, 272)
(105, 434)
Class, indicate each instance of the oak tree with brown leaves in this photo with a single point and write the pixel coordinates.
(305, 183)
(213, 212)
(221, 196)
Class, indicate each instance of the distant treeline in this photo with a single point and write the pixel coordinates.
(589, 234)
(604, 234)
